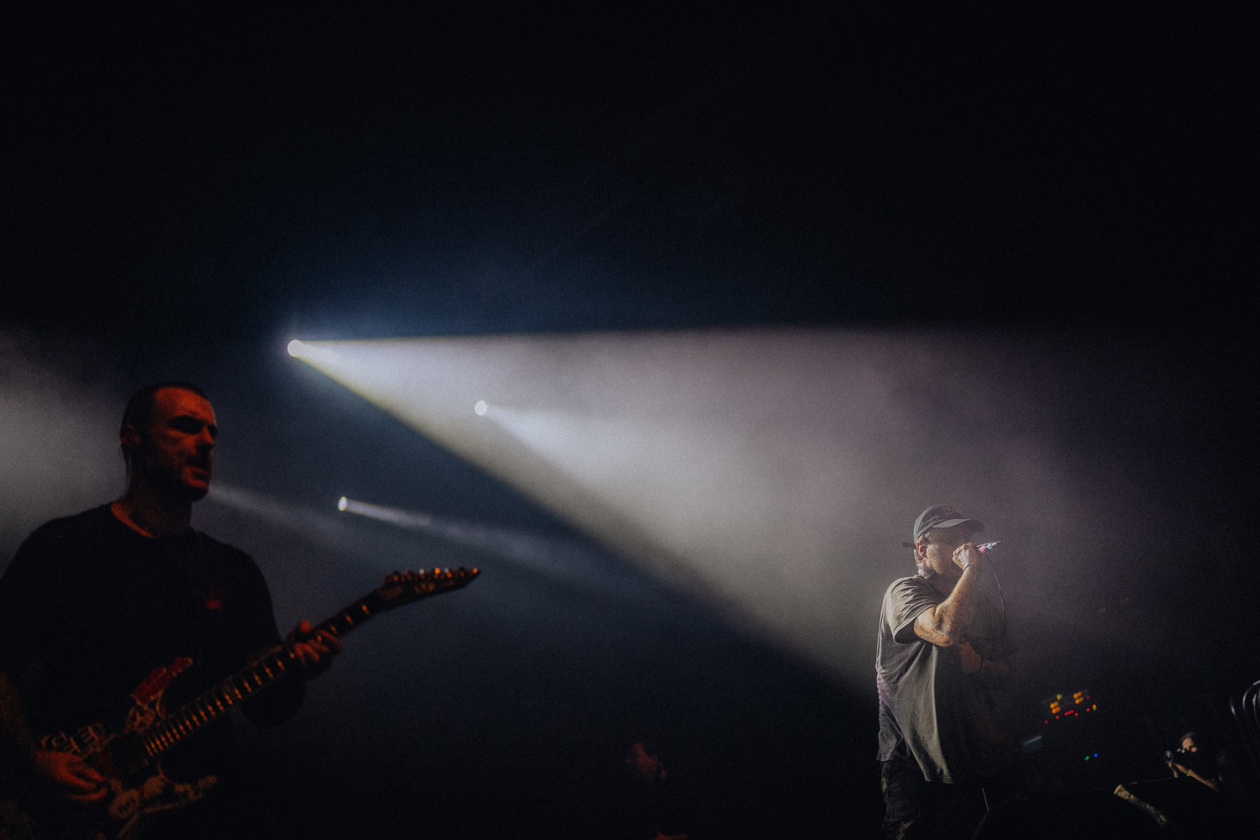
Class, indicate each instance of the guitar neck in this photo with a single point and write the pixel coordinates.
(260, 675)
(265, 671)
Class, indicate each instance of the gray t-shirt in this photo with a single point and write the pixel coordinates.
(947, 720)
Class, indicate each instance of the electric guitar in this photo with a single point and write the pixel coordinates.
(130, 759)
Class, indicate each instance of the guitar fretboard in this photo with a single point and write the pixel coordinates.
(264, 672)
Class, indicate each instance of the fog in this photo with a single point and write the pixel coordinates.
(686, 533)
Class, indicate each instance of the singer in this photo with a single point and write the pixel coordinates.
(941, 664)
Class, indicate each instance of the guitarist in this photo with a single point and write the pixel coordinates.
(92, 604)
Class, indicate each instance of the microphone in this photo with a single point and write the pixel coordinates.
(985, 548)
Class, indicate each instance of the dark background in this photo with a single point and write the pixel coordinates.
(187, 189)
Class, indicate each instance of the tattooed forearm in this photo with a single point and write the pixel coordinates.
(946, 623)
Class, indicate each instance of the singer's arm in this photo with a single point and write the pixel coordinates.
(1182, 770)
(946, 624)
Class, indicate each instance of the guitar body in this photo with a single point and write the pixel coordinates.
(137, 789)
(130, 758)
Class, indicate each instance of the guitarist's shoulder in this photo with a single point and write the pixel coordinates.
(68, 533)
(75, 524)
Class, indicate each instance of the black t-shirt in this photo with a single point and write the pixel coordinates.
(89, 608)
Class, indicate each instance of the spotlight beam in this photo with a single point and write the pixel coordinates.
(763, 470)
(566, 561)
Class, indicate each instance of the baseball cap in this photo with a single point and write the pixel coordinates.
(941, 516)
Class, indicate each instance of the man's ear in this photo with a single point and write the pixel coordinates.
(129, 439)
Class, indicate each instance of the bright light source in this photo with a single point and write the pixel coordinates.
(480, 408)
(314, 353)
(396, 516)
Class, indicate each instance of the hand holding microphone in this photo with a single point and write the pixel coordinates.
(963, 561)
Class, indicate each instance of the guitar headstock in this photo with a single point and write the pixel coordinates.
(404, 587)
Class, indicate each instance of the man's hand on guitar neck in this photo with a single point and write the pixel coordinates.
(70, 776)
(314, 651)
